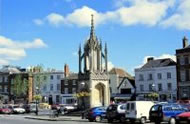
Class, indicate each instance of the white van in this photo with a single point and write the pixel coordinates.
(138, 110)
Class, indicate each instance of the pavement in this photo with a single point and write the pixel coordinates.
(49, 118)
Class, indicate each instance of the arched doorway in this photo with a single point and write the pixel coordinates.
(100, 94)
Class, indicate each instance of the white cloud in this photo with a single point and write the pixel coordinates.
(15, 50)
(36, 43)
(181, 18)
(110, 65)
(38, 21)
(3, 62)
(55, 19)
(163, 56)
(147, 12)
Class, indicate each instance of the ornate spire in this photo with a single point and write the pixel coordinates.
(92, 27)
(106, 48)
(100, 43)
(80, 48)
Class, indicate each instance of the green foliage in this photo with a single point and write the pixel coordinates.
(82, 94)
(20, 85)
(40, 77)
(153, 96)
(37, 97)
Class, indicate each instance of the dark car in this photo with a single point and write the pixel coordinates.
(96, 114)
(165, 113)
(116, 112)
(26, 107)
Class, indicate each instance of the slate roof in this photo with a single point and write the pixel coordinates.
(159, 63)
(8, 69)
(121, 73)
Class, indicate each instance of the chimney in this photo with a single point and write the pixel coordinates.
(150, 59)
(66, 70)
(185, 42)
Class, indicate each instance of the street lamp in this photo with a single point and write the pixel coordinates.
(82, 89)
(37, 100)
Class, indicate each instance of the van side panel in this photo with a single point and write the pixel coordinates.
(141, 109)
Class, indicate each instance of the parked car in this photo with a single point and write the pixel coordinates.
(5, 110)
(67, 108)
(183, 118)
(116, 112)
(17, 109)
(138, 111)
(96, 114)
(166, 113)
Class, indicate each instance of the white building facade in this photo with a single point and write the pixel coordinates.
(157, 76)
(51, 89)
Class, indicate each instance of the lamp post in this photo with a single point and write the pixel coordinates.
(37, 100)
(82, 89)
(153, 90)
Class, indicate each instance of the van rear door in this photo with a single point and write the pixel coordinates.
(130, 110)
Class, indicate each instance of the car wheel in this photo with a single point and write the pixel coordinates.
(90, 120)
(110, 120)
(98, 119)
(122, 119)
(172, 121)
(143, 120)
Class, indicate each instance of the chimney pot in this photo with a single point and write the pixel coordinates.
(150, 59)
(185, 42)
(66, 70)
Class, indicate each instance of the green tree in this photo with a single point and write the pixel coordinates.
(153, 96)
(37, 97)
(20, 86)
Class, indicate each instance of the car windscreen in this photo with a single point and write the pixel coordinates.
(155, 108)
(15, 106)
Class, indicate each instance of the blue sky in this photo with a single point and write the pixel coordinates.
(49, 32)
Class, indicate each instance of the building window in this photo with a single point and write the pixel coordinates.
(51, 87)
(57, 99)
(58, 77)
(150, 77)
(182, 60)
(159, 87)
(73, 90)
(51, 77)
(66, 82)
(66, 90)
(45, 78)
(187, 75)
(159, 76)
(1, 89)
(186, 60)
(44, 88)
(182, 75)
(169, 86)
(169, 76)
(1, 79)
(5, 89)
(6, 79)
(58, 87)
(74, 82)
(141, 78)
(150, 87)
(141, 87)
